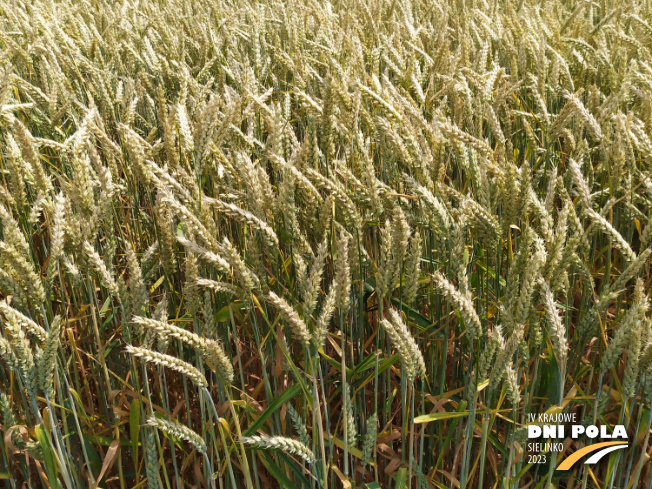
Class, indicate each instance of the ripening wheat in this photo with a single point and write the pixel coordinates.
(316, 245)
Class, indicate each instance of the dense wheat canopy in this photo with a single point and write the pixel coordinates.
(305, 244)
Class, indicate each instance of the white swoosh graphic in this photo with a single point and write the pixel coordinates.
(596, 458)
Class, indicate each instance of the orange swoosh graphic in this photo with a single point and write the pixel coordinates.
(570, 460)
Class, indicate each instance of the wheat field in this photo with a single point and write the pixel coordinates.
(304, 244)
